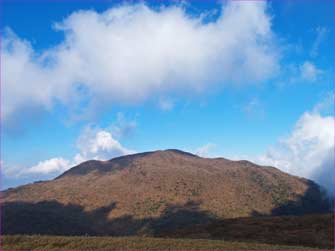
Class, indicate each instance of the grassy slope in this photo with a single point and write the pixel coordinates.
(309, 230)
(24, 242)
(280, 233)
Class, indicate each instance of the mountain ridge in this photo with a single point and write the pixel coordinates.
(134, 156)
(155, 188)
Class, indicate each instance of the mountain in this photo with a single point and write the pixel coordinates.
(151, 192)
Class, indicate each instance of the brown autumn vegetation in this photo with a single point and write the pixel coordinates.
(143, 185)
(169, 194)
(308, 230)
(270, 233)
(20, 242)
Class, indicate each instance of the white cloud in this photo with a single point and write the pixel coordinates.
(99, 144)
(93, 143)
(54, 165)
(130, 53)
(309, 71)
(205, 150)
(308, 151)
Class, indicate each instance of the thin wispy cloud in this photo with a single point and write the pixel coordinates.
(321, 34)
(205, 150)
(309, 71)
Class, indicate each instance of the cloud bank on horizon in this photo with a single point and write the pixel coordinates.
(132, 52)
(308, 151)
(92, 143)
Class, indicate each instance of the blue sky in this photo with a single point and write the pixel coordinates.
(235, 79)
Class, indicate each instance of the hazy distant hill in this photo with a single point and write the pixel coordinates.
(151, 192)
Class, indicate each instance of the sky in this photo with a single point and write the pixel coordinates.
(87, 80)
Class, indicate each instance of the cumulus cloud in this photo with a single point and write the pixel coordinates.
(98, 144)
(93, 143)
(54, 165)
(129, 53)
(308, 151)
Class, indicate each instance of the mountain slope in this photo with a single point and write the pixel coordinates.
(147, 192)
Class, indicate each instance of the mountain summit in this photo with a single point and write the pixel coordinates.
(148, 192)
